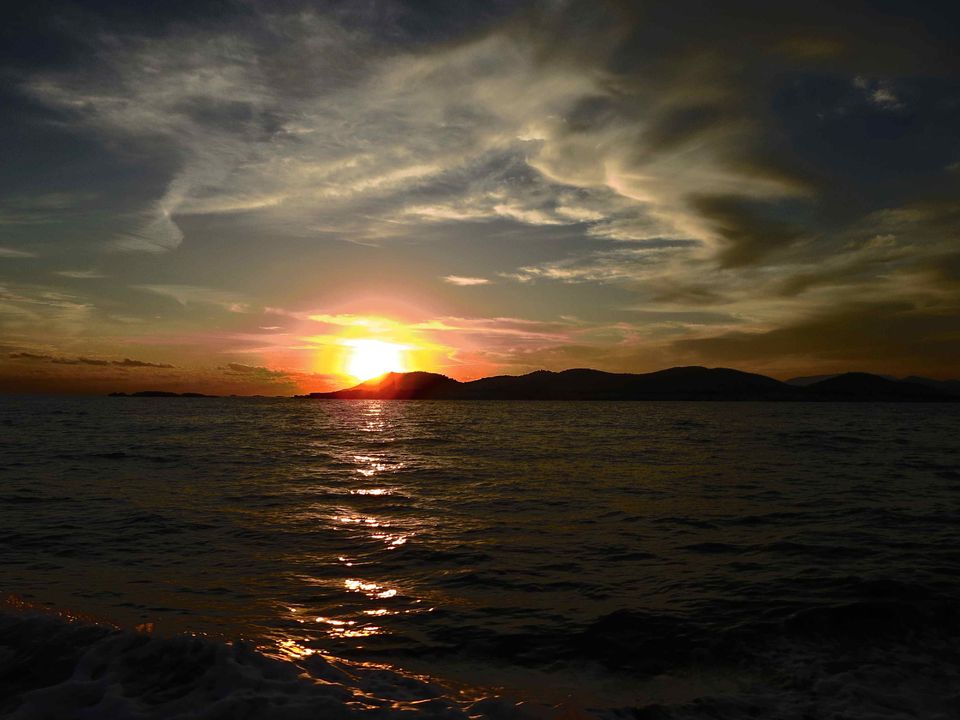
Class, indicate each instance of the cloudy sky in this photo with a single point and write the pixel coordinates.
(234, 196)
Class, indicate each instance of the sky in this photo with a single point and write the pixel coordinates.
(275, 197)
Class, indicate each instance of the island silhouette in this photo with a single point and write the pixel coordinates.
(678, 383)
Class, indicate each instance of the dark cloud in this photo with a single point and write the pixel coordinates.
(749, 229)
(125, 363)
(256, 371)
(697, 294)
(420, 22)
(840, 109)
(29, 356)
(945, 270)
(80, 361)
(682, 124)
(895, 337)
(50, 34)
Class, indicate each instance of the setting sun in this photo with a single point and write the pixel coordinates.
(360, 347)
(371, 358)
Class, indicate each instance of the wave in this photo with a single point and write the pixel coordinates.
(893, 655)
(53, 667)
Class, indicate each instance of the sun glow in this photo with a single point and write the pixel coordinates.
(372, 358)
(356, 348)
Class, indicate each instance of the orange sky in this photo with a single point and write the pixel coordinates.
(284, 199)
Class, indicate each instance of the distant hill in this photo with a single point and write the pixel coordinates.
(806, 380)
(864, 386)
(398, 386)
(679, 383)
(951, 387)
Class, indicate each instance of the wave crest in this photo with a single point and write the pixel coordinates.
(52, 667)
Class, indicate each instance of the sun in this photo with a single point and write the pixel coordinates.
(372, 358)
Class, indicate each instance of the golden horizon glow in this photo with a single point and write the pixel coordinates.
(359, 347)
(373, 358)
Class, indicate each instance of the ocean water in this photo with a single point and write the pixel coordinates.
(478, 559)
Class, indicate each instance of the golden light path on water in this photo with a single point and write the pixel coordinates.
(356, 623)
(536, 541)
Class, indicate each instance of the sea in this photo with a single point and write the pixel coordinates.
(281, 558)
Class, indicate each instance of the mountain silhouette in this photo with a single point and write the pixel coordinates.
(864, 386)
(950, 387)
(679, 383)
(398, 386)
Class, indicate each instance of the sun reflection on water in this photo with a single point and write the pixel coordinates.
(348, 628)
(368, 486)
(373, 465)
(392, 539)
(337, 627)
(370, 589)
(373, 418)
(368, 520)
(293, 650)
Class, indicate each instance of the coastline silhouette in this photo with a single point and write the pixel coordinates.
(679, 383)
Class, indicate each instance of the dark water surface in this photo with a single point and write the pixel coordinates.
(715, 559)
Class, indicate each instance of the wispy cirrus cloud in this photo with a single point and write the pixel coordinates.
(463, 281)
(481, 129)
(80, 274)
(187, 294)
(6, 252)
(653, 162)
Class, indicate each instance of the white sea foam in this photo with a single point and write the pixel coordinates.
(52, 668)
(71, 670)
